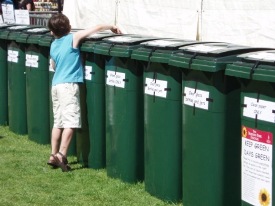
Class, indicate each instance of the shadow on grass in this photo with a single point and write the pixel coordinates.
(76, 166)
(72, 168)
(74, 163)
(1, 137)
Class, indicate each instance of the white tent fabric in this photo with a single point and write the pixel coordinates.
(85, 13)
(246, 22)
(175, 19)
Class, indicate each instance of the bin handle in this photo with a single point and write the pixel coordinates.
(28, 38)
(191, 59)
(8, 35)
(256, 121)
(109, 51)
(149, 58)
(253, 69)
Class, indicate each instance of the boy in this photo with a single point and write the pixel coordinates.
(66, 60)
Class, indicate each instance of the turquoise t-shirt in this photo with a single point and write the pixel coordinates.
(68, 67)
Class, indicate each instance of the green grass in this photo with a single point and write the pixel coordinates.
(26, 179)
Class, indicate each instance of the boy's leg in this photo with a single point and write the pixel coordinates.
(67, 135)
(56, 130)
(55, 141)
(71, 117)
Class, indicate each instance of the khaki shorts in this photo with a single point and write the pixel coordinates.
(66, 105)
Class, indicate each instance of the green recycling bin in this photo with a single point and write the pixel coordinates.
(37, 80)
(82, 134)
(211, 124)
(95, 99)
(124, 107)
(3, 76)
(16, 80)
(44, 45)
(256, 72)
(162, 118)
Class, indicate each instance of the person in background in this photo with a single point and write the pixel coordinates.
(66, 60)
(27, 4)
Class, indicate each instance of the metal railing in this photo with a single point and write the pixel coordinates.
(41, 18)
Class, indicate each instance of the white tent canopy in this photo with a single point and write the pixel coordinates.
(246, 22)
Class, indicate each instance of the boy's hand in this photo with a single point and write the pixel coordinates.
(116, 30)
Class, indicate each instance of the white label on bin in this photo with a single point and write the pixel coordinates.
(263, 109)
(88, 72)
(196, 97)
(155, 87)
(31, 60)
(256, 166)
(51, 66)
(13, 56)
(115, 79)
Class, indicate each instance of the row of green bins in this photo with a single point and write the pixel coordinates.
(124, 103)
(93, 147)
(162, 118)
(37, 80)
(16, 80)
(3, 76)
(256, 72)
(211, 124)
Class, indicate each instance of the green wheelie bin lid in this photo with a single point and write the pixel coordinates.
(120, 46)
(12, 33)
(47, 39)
(32, 36)
(159, 50)
(3, 30)
(89, 42)
(209, 57)
(259, 65)
(3, 26)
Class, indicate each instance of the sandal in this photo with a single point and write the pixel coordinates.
(64, 158)
(64, 167)
(52, 163)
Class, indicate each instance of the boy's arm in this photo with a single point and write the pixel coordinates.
(78, 36)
